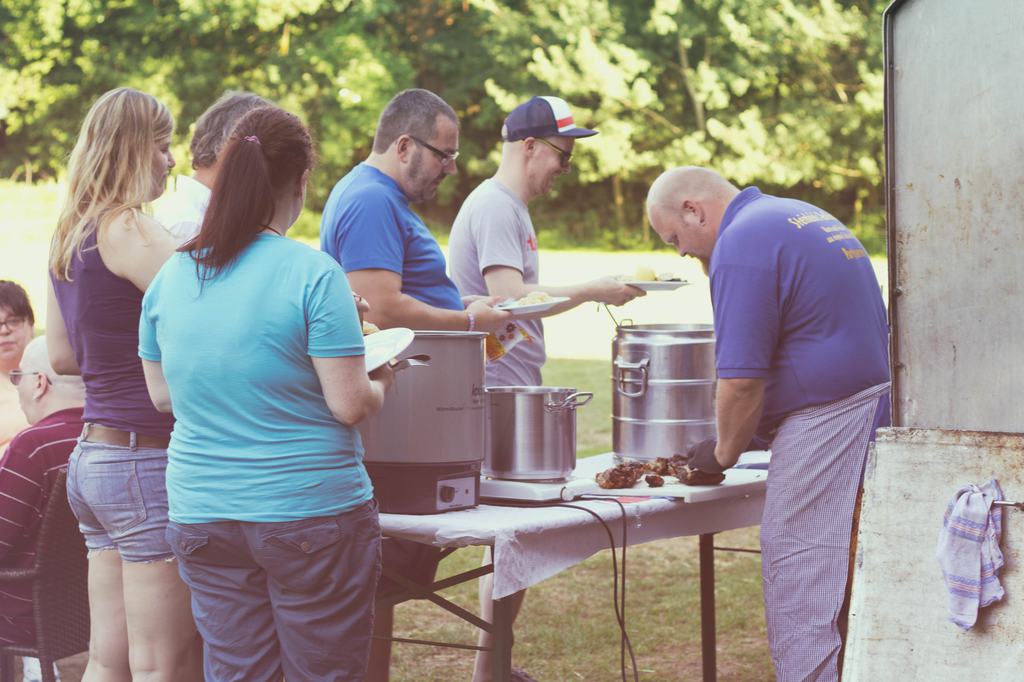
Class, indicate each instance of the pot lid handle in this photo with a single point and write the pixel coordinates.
(411, 361)
(571, 402)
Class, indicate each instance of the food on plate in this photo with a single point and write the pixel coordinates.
(623, 475)
(534, 297)
(690, 476)
(654, 480)
(369, 328)
(645, 274)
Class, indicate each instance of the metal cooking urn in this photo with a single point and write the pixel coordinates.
(663, 389)
(423, 450)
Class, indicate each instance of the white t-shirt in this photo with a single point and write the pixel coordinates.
(181, 211)
(493, 228)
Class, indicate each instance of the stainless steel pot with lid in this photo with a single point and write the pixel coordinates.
(663, 388)
(532, 432)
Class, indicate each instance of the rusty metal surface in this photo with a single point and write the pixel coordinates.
(952, 437)
(898, 627)
(955, 190)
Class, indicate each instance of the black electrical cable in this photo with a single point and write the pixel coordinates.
(620, 608)
(624, 642)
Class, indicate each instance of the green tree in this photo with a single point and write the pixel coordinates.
(786, 94)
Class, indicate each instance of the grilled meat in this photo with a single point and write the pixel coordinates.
(697, 477)
(660, 466)
(620, 476)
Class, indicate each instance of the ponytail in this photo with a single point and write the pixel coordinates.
(268, 151)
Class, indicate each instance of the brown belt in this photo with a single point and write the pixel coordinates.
(96, 433)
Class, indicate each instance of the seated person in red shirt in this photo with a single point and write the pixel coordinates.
(53, 406)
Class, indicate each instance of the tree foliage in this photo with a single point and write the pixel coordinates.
(785, 94)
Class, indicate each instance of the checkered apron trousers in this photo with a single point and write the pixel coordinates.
(816, 469)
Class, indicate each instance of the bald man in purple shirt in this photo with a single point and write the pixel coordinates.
(802, 360)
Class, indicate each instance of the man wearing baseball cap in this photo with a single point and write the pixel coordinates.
(492, 251)
(493, 245)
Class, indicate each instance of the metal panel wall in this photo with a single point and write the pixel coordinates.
(899, 627)
(955, 180)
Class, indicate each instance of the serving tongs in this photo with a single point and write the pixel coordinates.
(625, 321)
(421, 360)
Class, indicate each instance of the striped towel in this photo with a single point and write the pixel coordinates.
(969, 553)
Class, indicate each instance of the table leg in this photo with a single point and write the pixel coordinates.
(707, 606)
(501, 654)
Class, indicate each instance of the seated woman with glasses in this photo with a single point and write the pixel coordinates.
(16, 326)
(104, 254)
(255, 343)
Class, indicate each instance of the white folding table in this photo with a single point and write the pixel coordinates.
(531, 544)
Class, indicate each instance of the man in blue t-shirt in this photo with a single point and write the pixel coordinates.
(387, 251)
(393, 261)
(802, 360)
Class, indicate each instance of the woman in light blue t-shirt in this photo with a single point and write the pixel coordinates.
(254, 341)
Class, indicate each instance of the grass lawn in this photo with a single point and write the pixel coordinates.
(567, 629)
(593, 421)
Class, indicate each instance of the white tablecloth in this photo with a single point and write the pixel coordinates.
(532, 544)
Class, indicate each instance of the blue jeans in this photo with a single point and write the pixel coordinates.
(292, 598)
(120, 498)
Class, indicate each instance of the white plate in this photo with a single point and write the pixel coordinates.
(518, 310)
(655, 285)
(385, 345)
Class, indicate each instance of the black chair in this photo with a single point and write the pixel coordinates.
(60, 591)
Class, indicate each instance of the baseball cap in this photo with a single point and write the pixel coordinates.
(542, 117)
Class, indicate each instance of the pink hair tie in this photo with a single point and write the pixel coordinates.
(251, 138)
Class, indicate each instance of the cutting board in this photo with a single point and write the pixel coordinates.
(737, 482)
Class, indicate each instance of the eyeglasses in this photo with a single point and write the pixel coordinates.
(13, 323)
(566, 156)
(445, 157)
(15, 375)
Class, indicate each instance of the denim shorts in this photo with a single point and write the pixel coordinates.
(292, 598)
(120, 498)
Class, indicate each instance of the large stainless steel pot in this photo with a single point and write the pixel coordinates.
(532, 432)
(424, 448)
(663, 386)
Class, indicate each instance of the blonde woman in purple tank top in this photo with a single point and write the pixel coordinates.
(104, 254)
